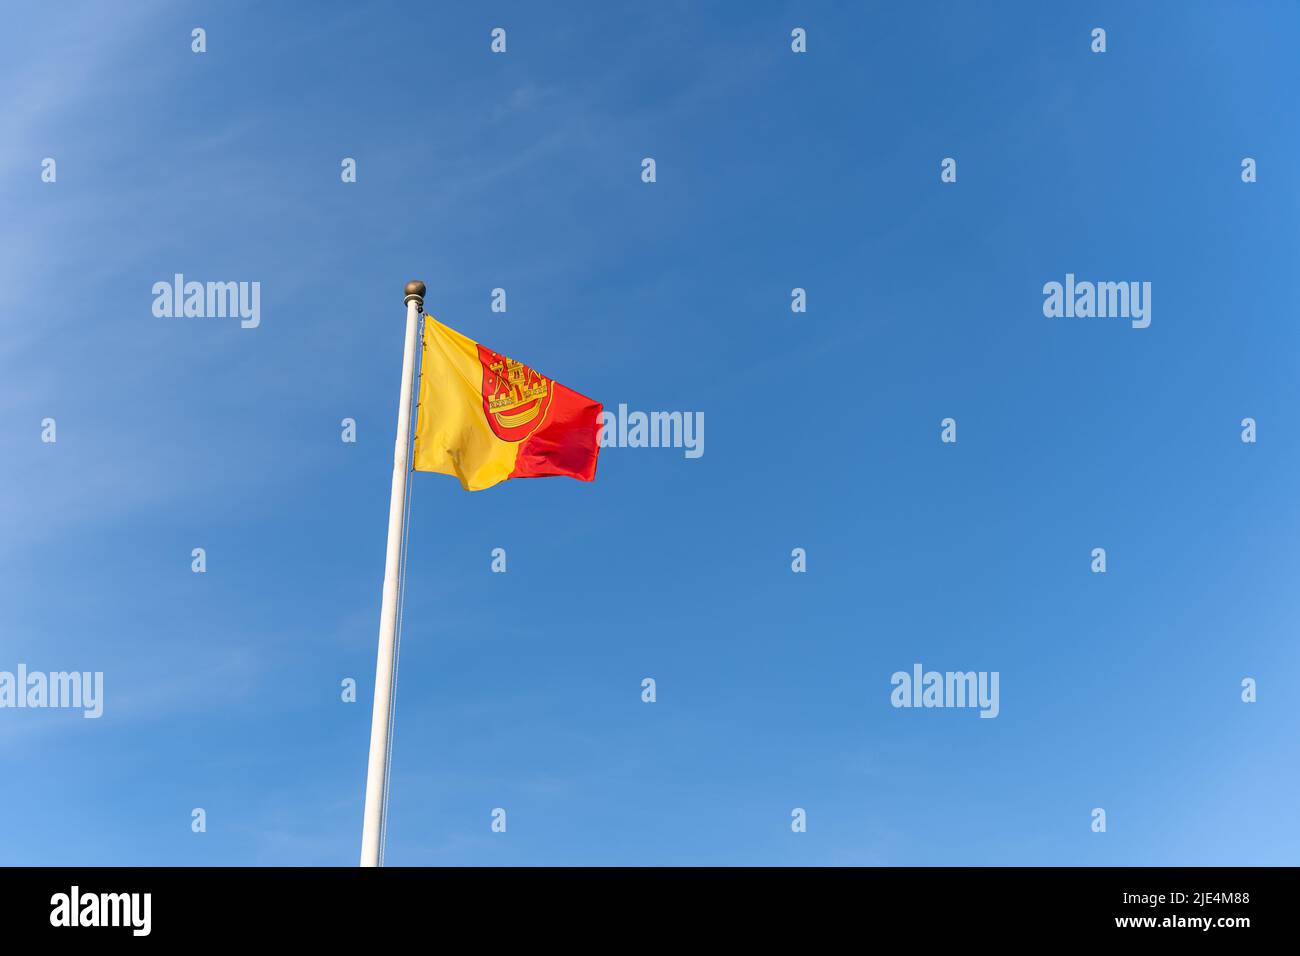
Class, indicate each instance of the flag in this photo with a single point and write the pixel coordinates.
(484, 417)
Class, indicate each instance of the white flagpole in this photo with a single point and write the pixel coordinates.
(381, 718)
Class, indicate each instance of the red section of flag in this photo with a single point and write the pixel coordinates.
(566, 443)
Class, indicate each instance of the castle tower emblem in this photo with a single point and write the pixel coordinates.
(515, 397)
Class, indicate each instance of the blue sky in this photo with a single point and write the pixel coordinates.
(774, 171)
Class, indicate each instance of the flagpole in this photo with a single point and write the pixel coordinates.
(381, 718)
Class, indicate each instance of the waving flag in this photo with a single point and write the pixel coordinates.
(485, 417)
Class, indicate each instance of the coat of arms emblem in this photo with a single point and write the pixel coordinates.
(515, 397)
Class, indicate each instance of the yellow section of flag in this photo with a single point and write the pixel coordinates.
(452, 435)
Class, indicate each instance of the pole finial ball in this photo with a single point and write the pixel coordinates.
(415, 287)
